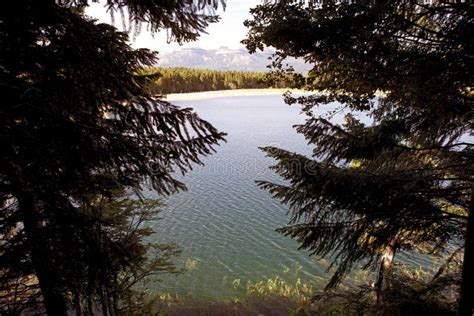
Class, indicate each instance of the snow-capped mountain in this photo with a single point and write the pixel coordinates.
(222, 58)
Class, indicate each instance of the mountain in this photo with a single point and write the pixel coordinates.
(223, 58)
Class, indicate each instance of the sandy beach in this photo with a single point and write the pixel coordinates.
(225, 93)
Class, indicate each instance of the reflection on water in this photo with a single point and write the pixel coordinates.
(224, 223)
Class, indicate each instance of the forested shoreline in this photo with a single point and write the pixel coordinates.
(185, 80)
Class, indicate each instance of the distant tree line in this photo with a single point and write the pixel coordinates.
(182, 80)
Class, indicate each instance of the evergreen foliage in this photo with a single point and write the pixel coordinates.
(406, 293)
(113, 260)
(404, 181)
(182, 80)
(78, 129)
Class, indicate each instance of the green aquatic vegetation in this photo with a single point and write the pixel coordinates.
(299, 291)
(191, 264)
(236, 283)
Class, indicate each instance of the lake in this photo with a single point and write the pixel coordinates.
(224, 223)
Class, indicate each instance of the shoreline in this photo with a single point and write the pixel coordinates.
(205, 95)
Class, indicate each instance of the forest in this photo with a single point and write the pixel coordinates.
(183, 80)
(90, 152)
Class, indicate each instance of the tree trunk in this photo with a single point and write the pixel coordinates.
(466, 301)
(103, 302)
(77, 304)
(384, 264)
(89, 307)
(41, 257)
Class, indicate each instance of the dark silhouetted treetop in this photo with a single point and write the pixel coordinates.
(405, 177)
(184, 20)
(90, 97)
(77, 123)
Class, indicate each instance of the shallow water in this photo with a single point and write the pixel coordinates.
(224, 223)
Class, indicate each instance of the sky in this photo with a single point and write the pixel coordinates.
(229, 31)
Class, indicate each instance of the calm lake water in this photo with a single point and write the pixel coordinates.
(224, 223)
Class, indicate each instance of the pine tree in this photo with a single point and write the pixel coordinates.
(76, 121)
(110, 232)
(404, 181)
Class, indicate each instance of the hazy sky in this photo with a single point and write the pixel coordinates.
(229, 31)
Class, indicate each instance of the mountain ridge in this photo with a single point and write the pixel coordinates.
(223, 58)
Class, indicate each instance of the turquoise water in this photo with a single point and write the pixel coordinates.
(224, 223)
